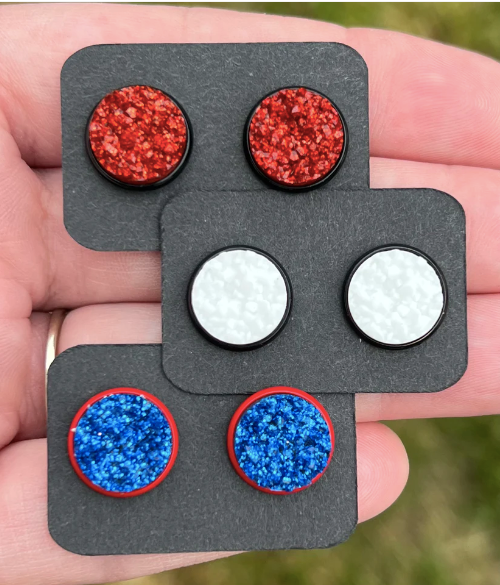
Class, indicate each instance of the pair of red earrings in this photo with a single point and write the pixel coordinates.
(140, 137)
(124, 442)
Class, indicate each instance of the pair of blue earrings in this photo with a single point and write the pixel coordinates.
(124, 442)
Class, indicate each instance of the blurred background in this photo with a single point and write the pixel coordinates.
(444, 529)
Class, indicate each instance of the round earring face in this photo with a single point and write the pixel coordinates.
(280, 440)
(240, 298)
(138, 136)
(396, 296)
(123, 442)
(296, 138)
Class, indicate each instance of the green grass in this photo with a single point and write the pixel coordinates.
(445, 528)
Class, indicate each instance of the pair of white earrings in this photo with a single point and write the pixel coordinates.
(241, 298)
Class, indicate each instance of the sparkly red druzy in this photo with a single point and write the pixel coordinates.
(296, 137)
(138, 135)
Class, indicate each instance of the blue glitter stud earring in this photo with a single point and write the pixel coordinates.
(280, 440)
(123, 442)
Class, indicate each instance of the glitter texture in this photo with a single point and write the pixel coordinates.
(239, 297)
(122, 442)
(296, 137)
(138, 135)
(282, 442)
(395, 297)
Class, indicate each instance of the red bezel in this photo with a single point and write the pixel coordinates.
(136, 392)
(252, 400)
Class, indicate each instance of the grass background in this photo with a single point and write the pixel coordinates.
(445, 529)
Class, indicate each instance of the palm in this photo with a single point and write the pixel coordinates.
(435, 123)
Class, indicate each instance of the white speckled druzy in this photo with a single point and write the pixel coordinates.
(395, 297)
(239, 297)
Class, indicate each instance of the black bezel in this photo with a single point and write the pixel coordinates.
(149, 186)
(257, 344)
(291, 188)
(404, 248)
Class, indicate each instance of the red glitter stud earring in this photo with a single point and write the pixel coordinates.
(138, 137)
(296, 138)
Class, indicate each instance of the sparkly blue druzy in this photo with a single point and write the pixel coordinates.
(282, 442)
(122, 442)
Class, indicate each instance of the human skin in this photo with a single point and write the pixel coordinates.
(435, 122)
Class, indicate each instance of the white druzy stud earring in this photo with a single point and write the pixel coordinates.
(240, 298)
(396, 296)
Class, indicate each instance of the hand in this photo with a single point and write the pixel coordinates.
(435, 122)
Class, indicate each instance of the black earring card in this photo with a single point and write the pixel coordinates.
(317, 237)
(202, 505)
(218, 86)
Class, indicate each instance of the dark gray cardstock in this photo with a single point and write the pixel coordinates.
(218, 85)
(216, 201)
(316, 237)
(202, 505)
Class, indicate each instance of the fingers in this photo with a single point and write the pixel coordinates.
(382, 469)
(429, 102)
(82, 277)
(30, 555)
(478, 190)
(17, 361)
(22, 383)
(117, 323)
